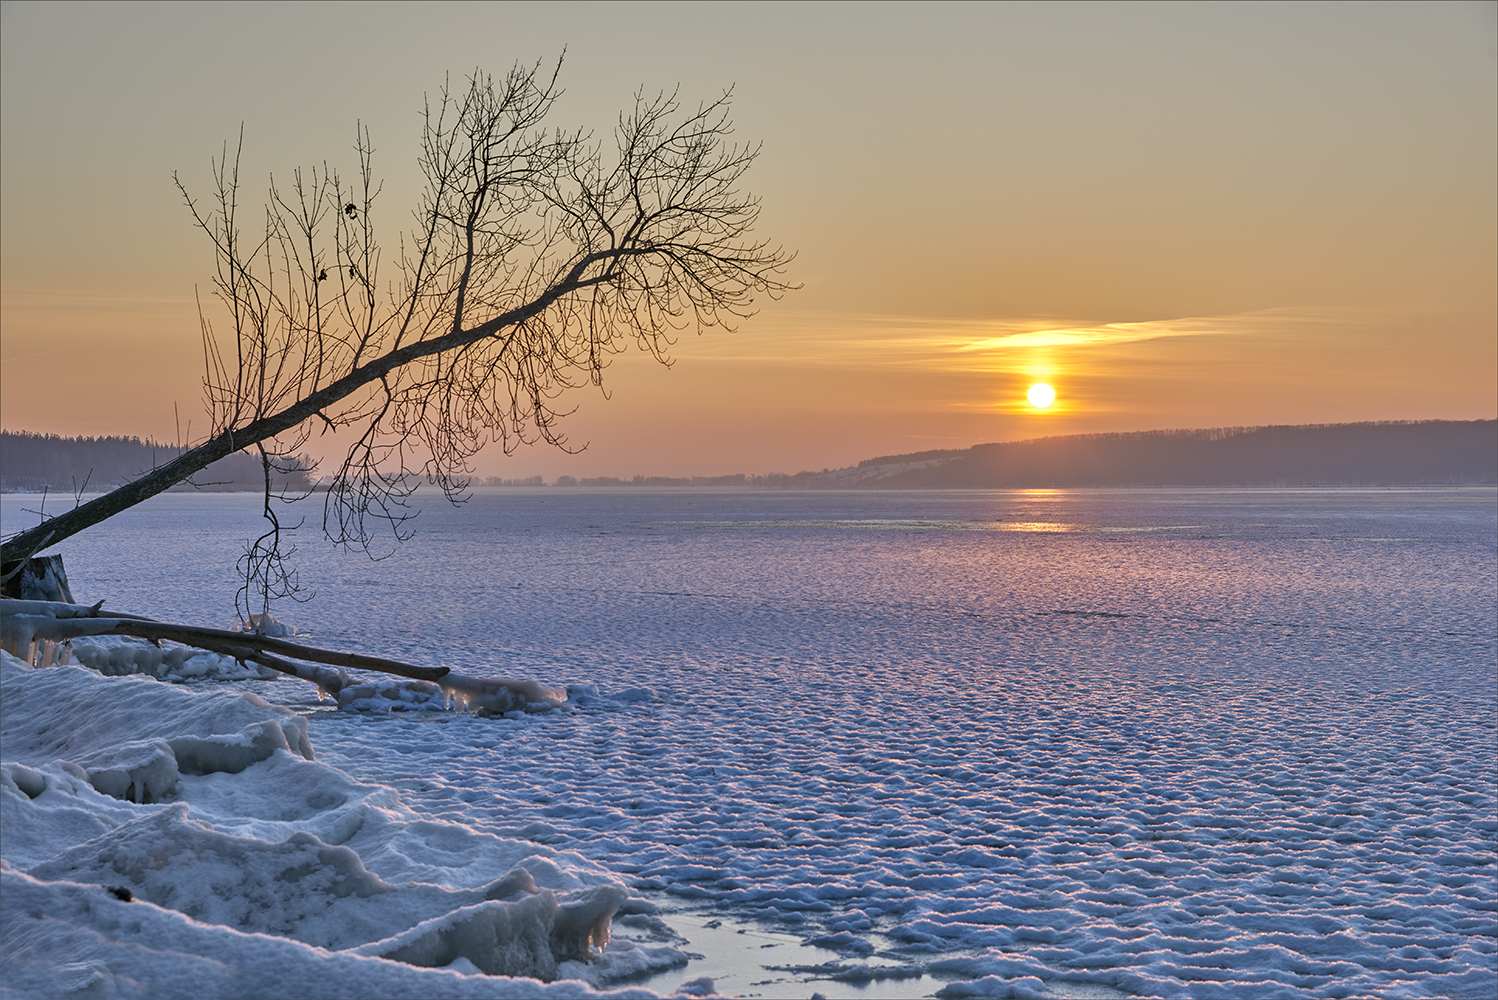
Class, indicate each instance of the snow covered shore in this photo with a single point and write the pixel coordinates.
(160, 842)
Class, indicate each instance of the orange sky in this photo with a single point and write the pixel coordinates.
(1178, 215)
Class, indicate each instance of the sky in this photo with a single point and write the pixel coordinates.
(1177, 215)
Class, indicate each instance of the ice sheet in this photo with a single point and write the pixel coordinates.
(1181, 743)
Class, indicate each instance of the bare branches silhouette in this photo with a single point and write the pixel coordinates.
(536, 255)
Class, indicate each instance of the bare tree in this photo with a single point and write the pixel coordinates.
(534, 258)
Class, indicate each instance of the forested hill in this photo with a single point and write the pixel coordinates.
(1365, 454)
(36, 461)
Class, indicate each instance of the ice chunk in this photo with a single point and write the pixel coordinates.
(482, 695)
(513, 885)
(500, 938)
(994, 988)
(392, 695)
(582, 923)
(498, 695)
(139, 771)
(528, 936)
(266, 624)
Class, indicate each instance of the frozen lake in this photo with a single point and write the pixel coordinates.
(1070, 743)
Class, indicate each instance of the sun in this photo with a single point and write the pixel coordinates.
(1041, 395)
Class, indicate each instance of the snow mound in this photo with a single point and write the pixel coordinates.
(479, 695)
(141, 735)
(266, 624)
(205, 817)
(588, 696)
(91, 943)
(322, 894)
(119, 655)
(528, 936)
(994, 987)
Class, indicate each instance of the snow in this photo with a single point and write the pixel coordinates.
(205, 813)
(71, 939)
(480, 695)
(1170, 743)
(119, 655)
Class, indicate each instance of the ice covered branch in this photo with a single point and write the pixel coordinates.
(25, 622)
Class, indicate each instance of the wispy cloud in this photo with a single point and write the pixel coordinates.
(1096, 336)
(873, 341)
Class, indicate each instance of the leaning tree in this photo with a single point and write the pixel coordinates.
(535, 255)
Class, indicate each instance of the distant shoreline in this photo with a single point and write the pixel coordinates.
(1368, 454)
(1365, 455)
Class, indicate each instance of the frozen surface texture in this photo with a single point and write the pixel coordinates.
(1173, 743)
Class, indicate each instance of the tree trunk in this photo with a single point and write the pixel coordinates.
(49, 532)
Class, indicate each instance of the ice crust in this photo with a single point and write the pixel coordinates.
(1135, 761)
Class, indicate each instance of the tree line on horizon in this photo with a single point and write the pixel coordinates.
(1374, 453)
(1385, 453)
(33, 462)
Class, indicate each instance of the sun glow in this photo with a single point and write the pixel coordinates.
(1041, 395)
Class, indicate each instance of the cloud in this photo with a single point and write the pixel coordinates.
(963, 345)
(1093, 336)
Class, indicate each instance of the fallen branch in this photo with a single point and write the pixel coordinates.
(192, 635)
(23, 622)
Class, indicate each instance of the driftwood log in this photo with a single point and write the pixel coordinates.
(24, 622)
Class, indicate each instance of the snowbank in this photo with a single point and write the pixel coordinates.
(140, 734)
(165, 842)
(93, 944)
